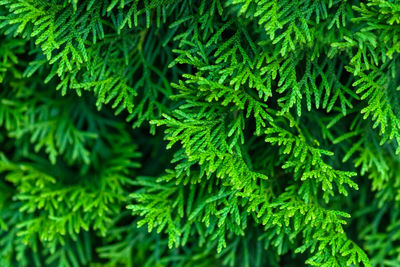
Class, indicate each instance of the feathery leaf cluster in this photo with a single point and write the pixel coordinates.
(199, 133)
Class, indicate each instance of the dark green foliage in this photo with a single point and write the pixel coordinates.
(199, 133)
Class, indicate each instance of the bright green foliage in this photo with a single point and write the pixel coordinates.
(199, 133)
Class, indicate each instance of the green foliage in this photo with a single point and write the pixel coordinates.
(199, 133)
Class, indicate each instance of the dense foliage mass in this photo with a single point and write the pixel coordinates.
(199, 133)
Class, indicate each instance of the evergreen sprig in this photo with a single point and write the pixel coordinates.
(199, 133)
